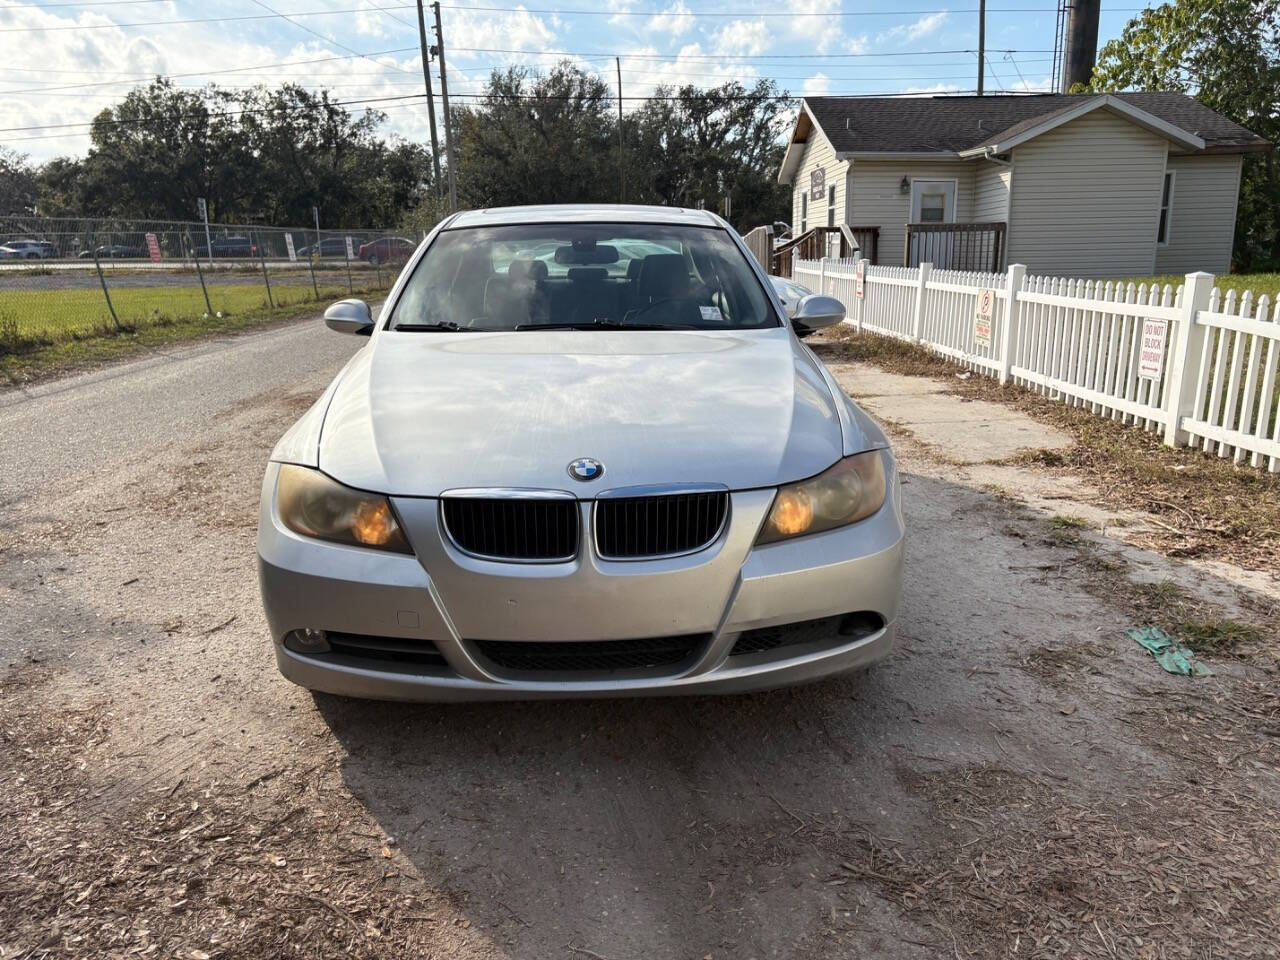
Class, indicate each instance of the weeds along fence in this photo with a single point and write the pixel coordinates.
(66, 278)
(1191, 362)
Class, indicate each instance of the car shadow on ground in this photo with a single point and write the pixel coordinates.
(655, 827)
(737, 826)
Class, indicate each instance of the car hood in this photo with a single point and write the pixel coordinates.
(417, 414)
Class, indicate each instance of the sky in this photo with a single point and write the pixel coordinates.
(61, 62)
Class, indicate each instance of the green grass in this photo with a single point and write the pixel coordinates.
(1259, 283)
(44, 316)
(50, 332)
(1068, 521)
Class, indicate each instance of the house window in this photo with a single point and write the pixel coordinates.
(933, 207)
(804, 212)
(1166, 204)
(831, 206)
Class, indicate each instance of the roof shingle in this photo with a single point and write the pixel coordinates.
(952, 124)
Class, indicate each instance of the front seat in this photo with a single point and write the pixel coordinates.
(663, 276)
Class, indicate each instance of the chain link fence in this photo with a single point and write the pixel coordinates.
(71, 278)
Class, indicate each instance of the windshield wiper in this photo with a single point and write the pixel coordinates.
(448, 325)
(604, 324)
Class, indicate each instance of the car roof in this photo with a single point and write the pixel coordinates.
(580, 213)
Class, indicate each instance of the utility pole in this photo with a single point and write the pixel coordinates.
(982, 41)
(622, 166)
(448, 123)
(431, 100)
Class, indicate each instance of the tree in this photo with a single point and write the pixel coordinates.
(18, 184)
(256, 155)
(537, 139)
(1227, 54)
(695, 147)
(553, 138)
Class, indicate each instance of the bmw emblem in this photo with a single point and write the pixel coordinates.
(586, 469)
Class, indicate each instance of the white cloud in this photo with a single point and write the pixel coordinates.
(819, 24)
(747, 38)
(508, 31)
(916, 30)
(370, 23)
(936, 89)
(674, 20)
(819, 85)
(46, 72)
(641, 76)
(859, 44)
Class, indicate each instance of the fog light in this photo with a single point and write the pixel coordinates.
(307, 641)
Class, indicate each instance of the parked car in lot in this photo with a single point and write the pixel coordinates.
(115, 251)
(328, 247)
(387, 250)
(225, 247)
(582, 453)
(27, 250)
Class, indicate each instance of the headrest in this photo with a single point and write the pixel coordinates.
(587, 274)
(664, 274)
(527, 270)
(634, 267)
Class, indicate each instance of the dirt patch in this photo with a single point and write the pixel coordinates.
(1201, 505)
(1029, 873)
(181, 870)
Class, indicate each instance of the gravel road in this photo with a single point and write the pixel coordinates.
(1019, 779)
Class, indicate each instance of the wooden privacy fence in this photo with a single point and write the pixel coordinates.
(760, 242)
(1198, 366)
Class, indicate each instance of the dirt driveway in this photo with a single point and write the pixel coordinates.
(1019, 780)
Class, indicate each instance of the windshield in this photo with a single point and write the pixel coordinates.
(626, 275)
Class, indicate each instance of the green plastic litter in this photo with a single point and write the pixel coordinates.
(1170, 655)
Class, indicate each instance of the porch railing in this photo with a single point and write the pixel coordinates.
(955, 246)
(823, 241)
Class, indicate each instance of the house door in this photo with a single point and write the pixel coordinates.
(932, 201)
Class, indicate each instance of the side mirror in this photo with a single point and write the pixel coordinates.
(816, 312)
(350, 316)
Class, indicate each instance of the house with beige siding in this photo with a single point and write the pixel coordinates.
(1083, 185)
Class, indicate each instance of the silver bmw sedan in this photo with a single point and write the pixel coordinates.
(582, 453)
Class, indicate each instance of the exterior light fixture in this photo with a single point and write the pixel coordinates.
(905, 185)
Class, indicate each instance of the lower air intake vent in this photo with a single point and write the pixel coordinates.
(594, 655)
(530, 531)
(633, 528)
(385, 650)
(837, 630)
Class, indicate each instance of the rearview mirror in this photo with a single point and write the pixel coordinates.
(817, 312)
(350, 316)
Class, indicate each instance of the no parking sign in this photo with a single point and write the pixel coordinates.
(983, 314)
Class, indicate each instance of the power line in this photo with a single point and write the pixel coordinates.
(316, 33)
(578, 12)
(174, 23)
(732, 56)
(223, 72)
(211, 114)
(85, 133)
(647, 58)
(169, 118)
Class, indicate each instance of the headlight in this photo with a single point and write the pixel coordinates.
(311, 504)
(848, 492)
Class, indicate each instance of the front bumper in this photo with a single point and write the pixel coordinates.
(452, 599)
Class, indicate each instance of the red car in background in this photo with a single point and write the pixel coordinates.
(387, 249)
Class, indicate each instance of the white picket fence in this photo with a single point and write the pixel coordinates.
(1209, 381)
